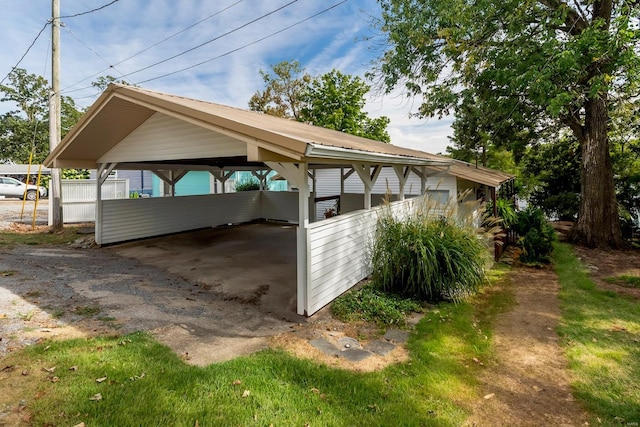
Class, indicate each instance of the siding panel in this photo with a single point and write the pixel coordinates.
(139, 218)
(339, 252)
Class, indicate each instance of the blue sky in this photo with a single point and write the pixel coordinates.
(119, 40)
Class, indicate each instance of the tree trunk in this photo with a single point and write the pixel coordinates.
(598, 221)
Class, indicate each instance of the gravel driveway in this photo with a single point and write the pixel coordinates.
(57, 291)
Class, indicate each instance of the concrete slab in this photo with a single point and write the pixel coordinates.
(250, 263)
(348, 342)
(397, 336)
(355, 354)
(325, 346)
(380, 347)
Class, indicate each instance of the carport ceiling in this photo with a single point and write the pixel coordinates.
(134, 126)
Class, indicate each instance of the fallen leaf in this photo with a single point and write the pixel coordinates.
(246, 393)
(55, 379)
(73, 368)
(315, 390)
(96, 397)
(47, 348)
(196, 424)
(80, 425)
(489, 396)
(50, 370)
(99, 380)
(237, 382)
(25, 373)
(8, 368)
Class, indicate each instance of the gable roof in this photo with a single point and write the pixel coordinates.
(121, 110)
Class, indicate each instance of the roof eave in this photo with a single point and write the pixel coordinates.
(324, 152)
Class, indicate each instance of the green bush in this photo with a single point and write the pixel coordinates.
(431, 259)
(536, 236)
(251, 184)
(373, 305)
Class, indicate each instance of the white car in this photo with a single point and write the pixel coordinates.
(10, 187)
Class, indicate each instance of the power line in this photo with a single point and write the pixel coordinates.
(25, 54)
(213, 39)
(90, 50)
(200, 45)
(243, 46)
(154, 45)
(89, 11)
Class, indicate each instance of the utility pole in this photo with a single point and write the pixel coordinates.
(55, 188)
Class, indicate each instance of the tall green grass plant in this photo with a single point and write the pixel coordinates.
(437, 252)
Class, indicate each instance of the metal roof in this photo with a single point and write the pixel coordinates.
(479, 174)
(120, 110)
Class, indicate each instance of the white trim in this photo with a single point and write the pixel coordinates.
(349, 155)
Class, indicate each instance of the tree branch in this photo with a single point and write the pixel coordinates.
(574, 20)
(574, 124)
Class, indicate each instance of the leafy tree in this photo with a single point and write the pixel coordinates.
(26, 129)
(333, 100)
(336, 101)
(559, 62)
(284, 90)
(103, 82)
(553, 171)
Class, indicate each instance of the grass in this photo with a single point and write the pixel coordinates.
(67, 235)
(147, 384)
(624, 280)
(600, 331)
(87, 310)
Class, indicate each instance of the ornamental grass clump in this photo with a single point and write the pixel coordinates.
(435, 253)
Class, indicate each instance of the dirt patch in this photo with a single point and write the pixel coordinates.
(324, 325)
(528, 385)
(605, 264)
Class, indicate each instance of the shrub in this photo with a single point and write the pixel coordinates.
(429, 257)
(251, 184)
(537, 236)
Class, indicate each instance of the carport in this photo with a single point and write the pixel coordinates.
(139, 129)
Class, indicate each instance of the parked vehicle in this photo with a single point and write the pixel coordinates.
(11, 187)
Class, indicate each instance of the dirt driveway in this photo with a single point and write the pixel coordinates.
(203, 294)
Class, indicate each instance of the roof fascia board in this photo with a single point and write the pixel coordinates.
(86, 118)
(215, 128)
(316, 151)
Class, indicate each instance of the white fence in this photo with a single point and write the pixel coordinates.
(339, 251)
(79, 197)
(139, 218)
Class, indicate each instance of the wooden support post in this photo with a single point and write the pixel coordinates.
(298, 176)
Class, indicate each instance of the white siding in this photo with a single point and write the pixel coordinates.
(279, 205)
(339, 252)
(163, 137)
(139, 218)
(79, 197)
(328, 184)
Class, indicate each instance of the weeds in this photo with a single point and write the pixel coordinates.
(87, 311)
(624, 280)
(373, 305)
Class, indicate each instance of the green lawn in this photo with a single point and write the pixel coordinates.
(600, 331)
(144, 383)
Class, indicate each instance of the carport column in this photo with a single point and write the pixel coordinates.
(402, 173)
(368, 179)
(104, 169)
(298, 176)
(222, 176)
